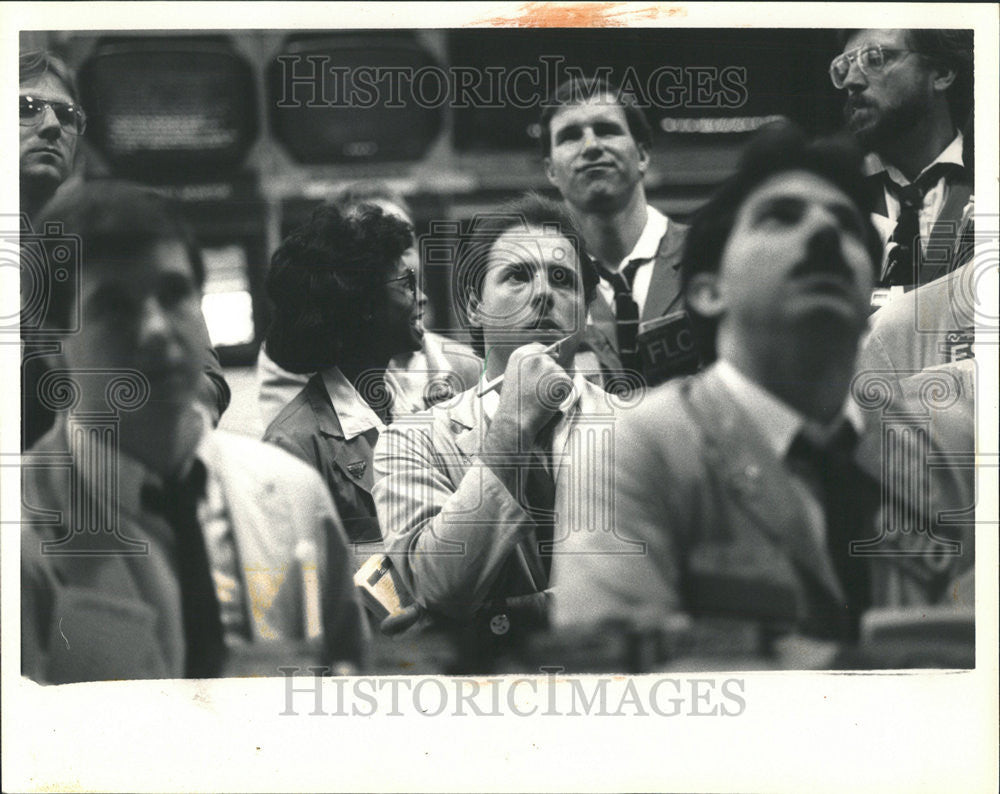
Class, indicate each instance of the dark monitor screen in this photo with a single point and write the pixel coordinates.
(169, 107)
(688, 81)
(352, 98)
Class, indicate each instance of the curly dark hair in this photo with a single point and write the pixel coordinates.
(325, 279)
(370, 192)
(776, 148)
(578, 90)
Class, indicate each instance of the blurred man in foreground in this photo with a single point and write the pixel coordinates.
(741, 482)
(153, 547)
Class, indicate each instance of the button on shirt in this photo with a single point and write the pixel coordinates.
(779, 424)
(645, 251)
(934, 198)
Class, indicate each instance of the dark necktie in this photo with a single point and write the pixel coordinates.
(849, 500)
(626, 312)
(539, 492)
(906, 256)
(177, 502)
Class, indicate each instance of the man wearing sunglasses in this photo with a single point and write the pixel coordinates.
(909, 99)
(51, 121)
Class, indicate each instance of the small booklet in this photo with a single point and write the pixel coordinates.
(382, 591)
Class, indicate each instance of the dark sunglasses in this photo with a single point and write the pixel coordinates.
(69, 115)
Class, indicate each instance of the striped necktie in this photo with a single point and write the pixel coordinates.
(626, 312)
(906, 257)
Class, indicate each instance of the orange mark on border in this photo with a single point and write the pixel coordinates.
(580, 15)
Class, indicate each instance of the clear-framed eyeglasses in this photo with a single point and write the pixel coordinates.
(872, 59)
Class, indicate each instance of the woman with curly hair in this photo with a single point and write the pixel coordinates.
(345, 302)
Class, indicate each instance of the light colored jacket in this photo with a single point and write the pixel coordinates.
(115, 616)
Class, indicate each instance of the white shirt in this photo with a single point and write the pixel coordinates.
(934, 198)
(645, 250)
(213, 516)
(355, 415)
(779, 424)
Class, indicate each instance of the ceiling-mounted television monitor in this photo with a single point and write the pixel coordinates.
(691, 81)
(347, 98)
(178, 107)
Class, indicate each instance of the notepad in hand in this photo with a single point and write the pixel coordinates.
(381, 591)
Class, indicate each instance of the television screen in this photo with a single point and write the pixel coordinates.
(227, 302)
(356, 98)
(161, 108)
(690, 81)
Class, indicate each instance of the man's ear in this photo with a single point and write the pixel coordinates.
(704, 296)
(472, 304)
(944, 77)
(643, 157)
(549, 172)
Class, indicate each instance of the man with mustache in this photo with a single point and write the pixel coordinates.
(731, 487)
(909, 103)
(596, 144)
(465, 491)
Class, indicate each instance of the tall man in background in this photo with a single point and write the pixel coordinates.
(51, 121)
(596, 144)
(909, 103)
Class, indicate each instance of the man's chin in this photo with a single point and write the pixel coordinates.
(41, 179)
(829, 311)
(603, 195)
(873, 131)
(544, 336)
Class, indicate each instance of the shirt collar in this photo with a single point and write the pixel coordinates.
(779, 422)
(952, 153)
(132, 473)
(491, 401)
(648, 244)
(355, 415)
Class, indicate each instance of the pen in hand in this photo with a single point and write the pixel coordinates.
(493, 385)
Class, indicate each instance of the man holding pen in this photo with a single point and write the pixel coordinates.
(465, 492)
